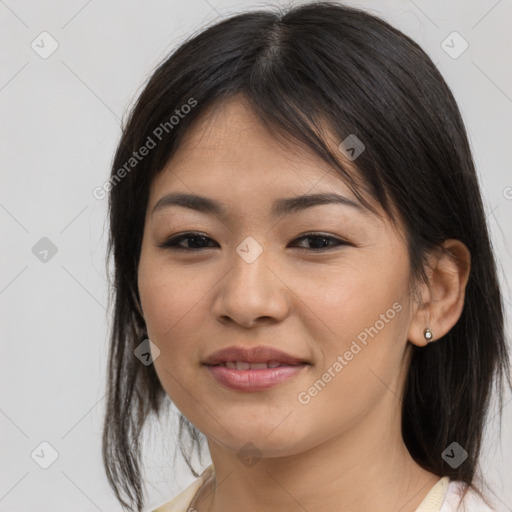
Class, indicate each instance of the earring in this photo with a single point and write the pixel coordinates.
(427, 334)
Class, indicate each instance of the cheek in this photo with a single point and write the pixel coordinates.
(352, 297)
(360, 316)
(166, 301)
(174, 303)
(165, 306)
(167, 292)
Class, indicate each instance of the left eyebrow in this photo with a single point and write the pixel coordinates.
(280, 207)
(299, 203)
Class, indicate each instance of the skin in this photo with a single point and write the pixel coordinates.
(343, 450)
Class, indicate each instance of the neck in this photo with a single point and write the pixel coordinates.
(366, 468)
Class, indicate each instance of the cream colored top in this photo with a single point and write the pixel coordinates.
(443, 497)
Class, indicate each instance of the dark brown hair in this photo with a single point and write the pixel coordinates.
(301, 67)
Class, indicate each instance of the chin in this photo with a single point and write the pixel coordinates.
(261, 440)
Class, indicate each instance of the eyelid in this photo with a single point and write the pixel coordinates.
(173, 241)
(317, 234)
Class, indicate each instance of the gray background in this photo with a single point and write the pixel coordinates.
(60, 124)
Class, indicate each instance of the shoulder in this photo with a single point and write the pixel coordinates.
(181, 502)
(471, 502)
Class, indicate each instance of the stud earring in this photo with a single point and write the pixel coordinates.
(427, 334)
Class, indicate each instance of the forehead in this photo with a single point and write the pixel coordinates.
(229, 149)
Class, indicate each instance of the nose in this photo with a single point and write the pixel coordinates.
(252, 292)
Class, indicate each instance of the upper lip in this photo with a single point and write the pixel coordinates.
(259, 354)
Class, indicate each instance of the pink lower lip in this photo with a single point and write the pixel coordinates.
(254, 380)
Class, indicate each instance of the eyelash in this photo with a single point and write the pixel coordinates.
(172, 243)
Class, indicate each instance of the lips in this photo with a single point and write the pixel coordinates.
(253, 369)
(243, 356)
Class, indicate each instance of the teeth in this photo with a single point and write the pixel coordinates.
(258, 366)
(244, 365)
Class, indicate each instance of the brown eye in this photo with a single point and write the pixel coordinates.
(322, 242)
(193, 241)
(197, 241)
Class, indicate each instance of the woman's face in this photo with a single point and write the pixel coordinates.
(255, 279)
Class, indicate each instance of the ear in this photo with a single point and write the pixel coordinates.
(441, 300)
